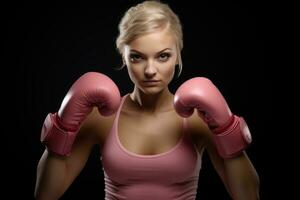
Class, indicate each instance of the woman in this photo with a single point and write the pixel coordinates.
(151, 141)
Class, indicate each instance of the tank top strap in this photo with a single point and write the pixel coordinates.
(121, 105)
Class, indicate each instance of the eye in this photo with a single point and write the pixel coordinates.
(163, 57)
(135, 58)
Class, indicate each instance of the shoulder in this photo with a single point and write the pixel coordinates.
(96, 127)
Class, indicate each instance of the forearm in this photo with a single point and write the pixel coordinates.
(51, 177)
(242, 178)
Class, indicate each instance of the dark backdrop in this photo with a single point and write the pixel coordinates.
(47, 47)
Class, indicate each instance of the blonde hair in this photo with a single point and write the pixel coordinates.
(148, 17)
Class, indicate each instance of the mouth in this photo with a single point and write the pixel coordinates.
(151, 82)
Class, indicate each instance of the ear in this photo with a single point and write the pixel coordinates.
(177, 61)
(123, 60)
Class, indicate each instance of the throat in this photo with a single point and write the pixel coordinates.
(152, 103)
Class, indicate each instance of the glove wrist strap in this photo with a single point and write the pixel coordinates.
(233, 139)
(56, 140)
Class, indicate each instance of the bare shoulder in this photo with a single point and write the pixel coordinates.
(96, 127)
(199, 131)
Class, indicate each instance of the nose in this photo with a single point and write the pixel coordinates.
(150, 70)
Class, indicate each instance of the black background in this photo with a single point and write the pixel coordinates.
(47, 47)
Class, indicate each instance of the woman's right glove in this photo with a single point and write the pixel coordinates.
(91, 89)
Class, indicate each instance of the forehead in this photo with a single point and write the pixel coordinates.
(153, 42)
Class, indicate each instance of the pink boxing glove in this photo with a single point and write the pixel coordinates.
(91, 89)
(231, 133)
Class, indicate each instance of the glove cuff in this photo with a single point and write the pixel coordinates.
(55, 138)
(233, 139)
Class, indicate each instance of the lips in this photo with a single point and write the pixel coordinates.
(151, 82)
(146, 81)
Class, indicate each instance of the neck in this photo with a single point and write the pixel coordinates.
(151, 103)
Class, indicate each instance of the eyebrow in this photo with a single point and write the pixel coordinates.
(133, 50)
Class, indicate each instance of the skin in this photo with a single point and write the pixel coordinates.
(149, 57)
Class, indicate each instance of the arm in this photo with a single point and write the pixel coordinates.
(238, 173)
(56, 173)
(242, 177)
(201, 136)
(227, 135)
(67, 139)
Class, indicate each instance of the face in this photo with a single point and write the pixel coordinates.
(151, 60)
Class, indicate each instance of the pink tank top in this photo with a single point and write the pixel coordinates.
(172, 175)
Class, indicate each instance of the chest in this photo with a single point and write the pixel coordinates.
(149, 135)
(153, 146)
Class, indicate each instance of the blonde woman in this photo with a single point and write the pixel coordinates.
(151, 140)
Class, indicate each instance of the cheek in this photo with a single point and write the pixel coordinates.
(134, 73)
(170, 73)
